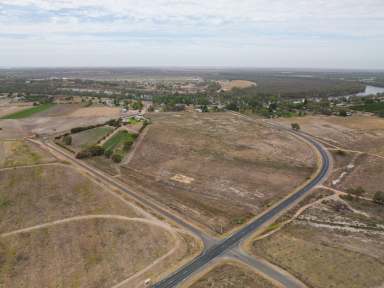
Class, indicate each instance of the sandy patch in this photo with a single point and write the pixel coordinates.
(96, 112)
(229, 85)
(182, 179)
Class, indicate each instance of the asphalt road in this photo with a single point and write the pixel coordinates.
(226, 244)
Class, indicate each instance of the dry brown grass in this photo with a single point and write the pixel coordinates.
(18, 153)
(42, 194)
(363, 133)
(231, 275)
(360, 171)
(330, 246)
(228, 158)
(96, 111)
(91, 253)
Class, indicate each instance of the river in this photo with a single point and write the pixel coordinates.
(371, 90)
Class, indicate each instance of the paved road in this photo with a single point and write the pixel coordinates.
(223, 246)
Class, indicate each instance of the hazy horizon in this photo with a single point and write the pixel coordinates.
(346, 35)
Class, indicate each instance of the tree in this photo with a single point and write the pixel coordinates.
(67, 140)
(379, 197)
(295, 126)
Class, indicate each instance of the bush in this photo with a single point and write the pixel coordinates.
(379, 197)
(67, 140)
(127, 145)
(117, 158)
(90, 152)
(295, 126)
(357, 192)
(108, 153)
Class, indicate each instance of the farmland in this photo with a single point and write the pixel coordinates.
(90, 137)
(28, 112)
(193, 163)
(117, 140)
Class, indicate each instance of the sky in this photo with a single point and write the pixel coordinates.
(345, 34)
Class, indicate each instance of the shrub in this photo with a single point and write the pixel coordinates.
(127, 145)
(108, 153)
(379, 197)
(67, 140)
(357, 192)
(90, 152)
(295, 126)
(117, 158)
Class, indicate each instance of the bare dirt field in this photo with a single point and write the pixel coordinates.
(232, 275)
(241, 84)
(5, 110)
(362, 133)
(45, 125)
(223, 157)
(59, 110)
(97, 111)
(332, 244)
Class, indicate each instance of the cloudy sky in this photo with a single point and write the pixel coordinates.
(245, 33)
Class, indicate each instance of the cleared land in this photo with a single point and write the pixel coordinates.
(60, 229)
(362, 133)
(10, 109)
(231, 275)
(241, 84)
(20, 153)
(48, 193)
(223, 157)
(359, 170)
(90, 137)
(28, 112)
(331, 245)
(90, 253)
(97, 111)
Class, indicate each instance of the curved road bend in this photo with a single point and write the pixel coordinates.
(209, 254)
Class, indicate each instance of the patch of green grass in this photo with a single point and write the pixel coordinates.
(28, 112)
(118, 140)
(4, 202)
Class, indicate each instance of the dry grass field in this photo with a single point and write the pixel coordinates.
(21, 153)
(89, 137)
(358, 170)
(58, 228)
(241, 84)
(222, 157)
(331, 245)
(231, 275)
(362, 133)
(90, 253)
(96, 111)
(57, 119)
